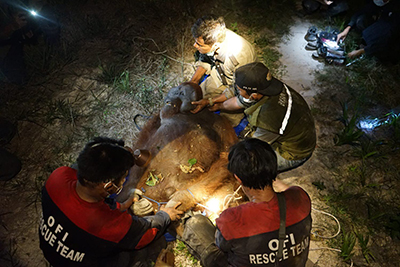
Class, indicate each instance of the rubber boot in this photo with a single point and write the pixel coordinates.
(199, 237)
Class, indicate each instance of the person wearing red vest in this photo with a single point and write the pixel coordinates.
(247, 235)
(82, 226)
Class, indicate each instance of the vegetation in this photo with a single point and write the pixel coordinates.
(366, 168)
(366, 252)
(117, 61)
(348, 242)
(181, 250)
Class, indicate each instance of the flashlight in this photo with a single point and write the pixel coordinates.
(214, 205)
(33, 12)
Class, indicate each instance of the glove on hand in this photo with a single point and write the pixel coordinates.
(143, 206)
(136, 193)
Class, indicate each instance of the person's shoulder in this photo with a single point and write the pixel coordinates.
(294, 189)
(231, 34)
(64, 169)
(62, 172)
(241, 45)
(297, 194)
(230, 215)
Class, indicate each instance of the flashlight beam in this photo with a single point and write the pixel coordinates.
(201, 205)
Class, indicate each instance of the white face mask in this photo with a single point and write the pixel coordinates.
(380, 2)
(211, 53)
(249, 100)
(213, 49)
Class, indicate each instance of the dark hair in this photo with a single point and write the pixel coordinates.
(210, 28)
(254, 162)
(102, 160)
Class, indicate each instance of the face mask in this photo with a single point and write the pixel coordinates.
(211, 53)
(249, 100)
(213, 49)
(380, 2)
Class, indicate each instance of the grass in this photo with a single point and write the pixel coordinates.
(110, 73)
(131, 80)
(147, 95)
(319, 185)
(391, 121)
(43, 59)
(351, 134)
(366, 252)
(123, 83)
(62, 110)
(365, 193)
(348, 243)
(278, 22)
(181, 250)
(270, 57)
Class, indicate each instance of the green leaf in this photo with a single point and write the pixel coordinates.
(370, 154)
(319, 185)
(192, 162)
(151, 180)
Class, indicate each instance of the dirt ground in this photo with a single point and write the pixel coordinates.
(43, 146)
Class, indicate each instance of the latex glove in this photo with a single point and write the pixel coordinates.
(142, 207)
(137, 193)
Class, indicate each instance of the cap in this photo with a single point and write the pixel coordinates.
(257, 77)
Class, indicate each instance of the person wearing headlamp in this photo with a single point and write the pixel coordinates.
(220, 52)
(82, 226)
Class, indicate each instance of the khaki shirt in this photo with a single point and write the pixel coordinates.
(233, 52)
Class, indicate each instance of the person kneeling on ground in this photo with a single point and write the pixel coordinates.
(221, 52)
(379, 24)
(333, 7)
(81, 226)
(279, 114)
(248, 234)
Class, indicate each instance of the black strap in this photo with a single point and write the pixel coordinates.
(220, 72)
(282, 226)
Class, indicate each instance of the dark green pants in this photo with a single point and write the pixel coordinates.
(199, 237)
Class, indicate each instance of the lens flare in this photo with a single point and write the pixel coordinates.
(214, 205)
(369, 124)
(33, 12)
